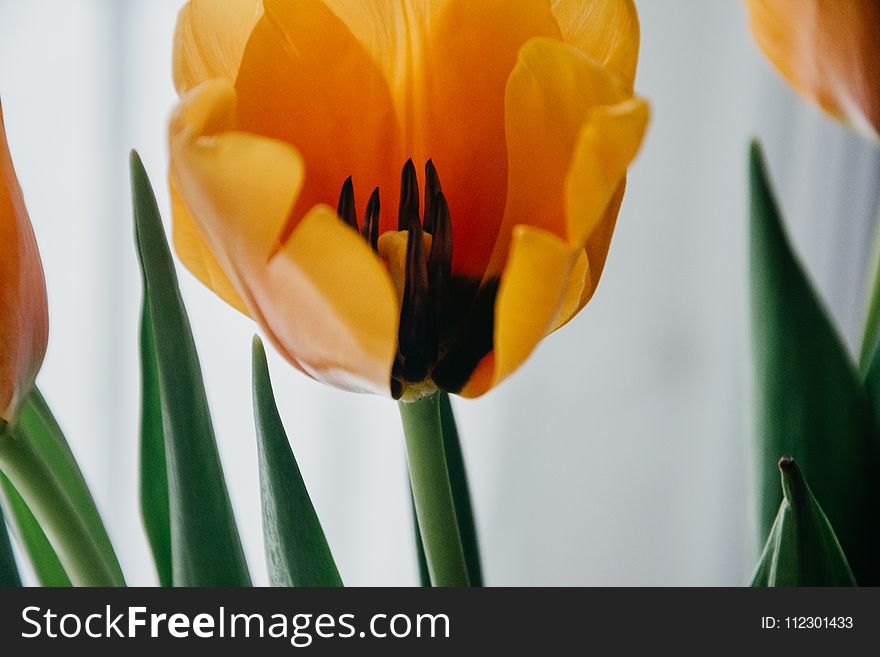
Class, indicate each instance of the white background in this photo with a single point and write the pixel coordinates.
(618, 455)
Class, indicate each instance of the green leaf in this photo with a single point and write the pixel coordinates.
(421, 559)
(461, 498)
(801, 549)
(206, 549)
(809, 401)
(32, 538)
(154, 476)
(461, 494)
(8, 569)
(296, 548)
(38, 425)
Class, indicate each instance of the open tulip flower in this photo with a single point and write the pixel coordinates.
(504, 128)
(23, 306)
(829, 51)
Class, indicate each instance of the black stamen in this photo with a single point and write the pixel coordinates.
(440, 262)
(417, 342)
(370, 229)
(346, 209)
(409, 197)
(432, 187)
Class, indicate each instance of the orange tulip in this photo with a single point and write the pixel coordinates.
(293, 114)
(829, 51)
(23, 310)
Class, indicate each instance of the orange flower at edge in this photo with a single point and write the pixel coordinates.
(525, 111)
(23, 307)
(829, 51)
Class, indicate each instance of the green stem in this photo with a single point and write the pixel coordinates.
(57, 516)
(872, 316)
(432, 492)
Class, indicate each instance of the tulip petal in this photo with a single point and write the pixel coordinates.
(551, 94)
(534, 288)
(24, 315)
(210, 38)
(448, 87)
(329, 300)
(606, 146)
(828, 51)
(194, 252)
(326, 98)
(239, 187)
(606, 30)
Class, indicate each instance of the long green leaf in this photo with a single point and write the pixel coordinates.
(809, 401)
(461, 494)
(43, 432)
(155, 509)
(32, 538)
(296, 548)
(206, 548)
(801, 549)
(9, 576)
(421, 559)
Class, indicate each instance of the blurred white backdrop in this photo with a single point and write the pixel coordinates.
(618, 455)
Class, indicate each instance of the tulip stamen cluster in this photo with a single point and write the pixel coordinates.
(438, 310)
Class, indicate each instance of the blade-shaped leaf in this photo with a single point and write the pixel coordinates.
(421, 559)
(461, 494)
(808, 398)
(296, 548)
(154, 476)
(32, 538)
(801, 549)
(47, 439)
(8, 568)
(461, 498)
(206, 549)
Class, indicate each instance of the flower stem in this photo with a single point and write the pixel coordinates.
(432, 492)
(33, 479)
(872, 316)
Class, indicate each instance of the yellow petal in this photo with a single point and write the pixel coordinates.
(194, 252)
(210, 38)
(447, 63)
(578, 281)
(305, 80)
(322, 296)
(607, 144)
(24, 316)
(553, 90)
(595, 253)
(828, 51)
(329, 301)
(607, 30)
(240, 188)
(533, 289)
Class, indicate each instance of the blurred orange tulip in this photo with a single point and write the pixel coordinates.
(829, 50)
(291, 113)
(24, 324)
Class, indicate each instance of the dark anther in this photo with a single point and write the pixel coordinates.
(440, 262)
(432, 187)
(408, 210)
(370, 229)
(446, 320)
(417, 341)
(346, 209)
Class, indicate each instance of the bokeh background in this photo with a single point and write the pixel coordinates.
(618, 455)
